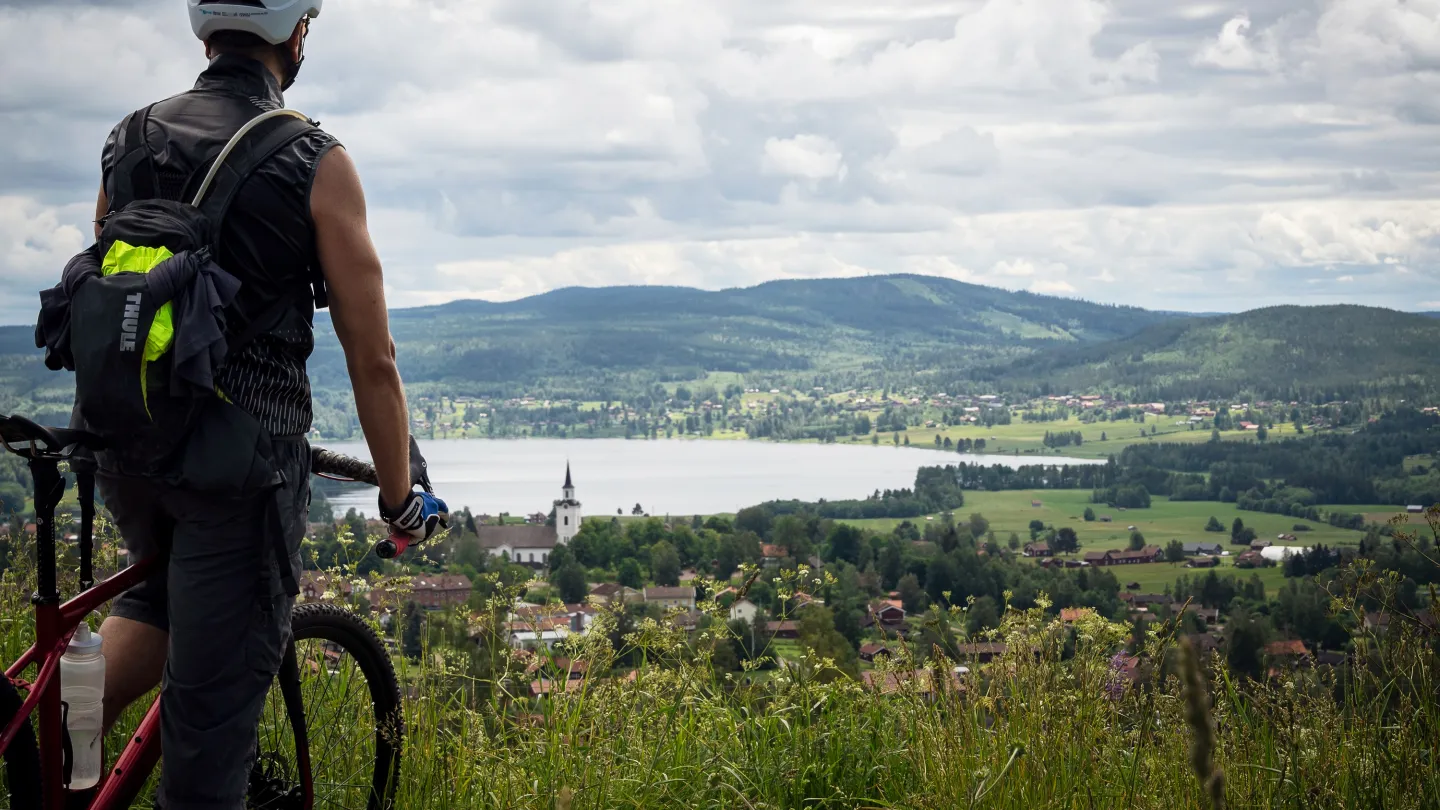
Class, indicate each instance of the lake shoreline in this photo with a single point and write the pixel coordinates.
(695, 476)
(328, 443)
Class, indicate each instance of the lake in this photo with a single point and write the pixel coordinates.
(674, 477)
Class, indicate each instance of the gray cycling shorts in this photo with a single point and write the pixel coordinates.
(228, 618)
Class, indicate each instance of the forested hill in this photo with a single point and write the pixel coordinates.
(1288, 352)
(583, 341)
(610, 343)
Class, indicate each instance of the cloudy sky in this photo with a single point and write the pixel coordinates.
(1187, 155)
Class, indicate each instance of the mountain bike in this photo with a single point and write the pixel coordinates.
(331, 731)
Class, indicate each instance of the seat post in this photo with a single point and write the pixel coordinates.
(49, 489)
(85, 488)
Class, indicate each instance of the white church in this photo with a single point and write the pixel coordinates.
(531, 545)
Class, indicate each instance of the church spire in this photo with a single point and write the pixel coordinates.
(568, 485)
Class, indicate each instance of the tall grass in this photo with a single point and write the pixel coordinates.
(1053, 723)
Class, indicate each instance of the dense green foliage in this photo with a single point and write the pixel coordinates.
(937, 489)
(1288, 352)
(1367, 466)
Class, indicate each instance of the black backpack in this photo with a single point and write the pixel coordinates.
(148, 305)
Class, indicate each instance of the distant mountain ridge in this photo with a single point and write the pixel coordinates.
(610, 342)
(862, 326)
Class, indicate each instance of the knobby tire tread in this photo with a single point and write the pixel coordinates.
(318, 620)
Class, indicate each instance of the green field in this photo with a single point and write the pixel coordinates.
(1011, 511)
(1164, 521)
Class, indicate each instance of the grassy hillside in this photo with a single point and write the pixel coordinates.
(1054, 722)
(25, 384)
(1287, 352)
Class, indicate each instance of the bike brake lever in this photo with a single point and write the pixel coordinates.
(419, 468)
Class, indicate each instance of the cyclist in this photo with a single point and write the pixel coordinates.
(215, 623)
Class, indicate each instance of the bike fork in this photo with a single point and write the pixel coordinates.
(295, 708)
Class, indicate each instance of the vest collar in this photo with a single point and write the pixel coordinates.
(242, 76)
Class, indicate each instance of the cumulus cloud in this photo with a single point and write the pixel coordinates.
(1235, 49)
(1202, 155)
(813, 157)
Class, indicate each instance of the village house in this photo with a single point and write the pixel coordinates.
(771, 555)
(1147, 554)
(888, 614)
(612, 593)
(1203, 562)
(1040, 549)
(873, 649)
(1381, 621)
(1193, 549)
(538, 639)
(1250, 559)
(668, 597)
(316, 587)
(982, 651)
(439, 591)
(743, 610)
(783, 629)
(1286, 655)
(1144, 600)
(1071, 615)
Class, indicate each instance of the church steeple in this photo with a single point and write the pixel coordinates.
(567, 511)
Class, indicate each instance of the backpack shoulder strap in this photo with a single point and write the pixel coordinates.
(255, 142)
(133, 173)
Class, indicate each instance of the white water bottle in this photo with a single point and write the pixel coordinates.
(82, 687)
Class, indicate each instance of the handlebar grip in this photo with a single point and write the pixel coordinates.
(393, 546)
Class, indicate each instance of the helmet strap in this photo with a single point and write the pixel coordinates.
(292, 66)
(292, 69)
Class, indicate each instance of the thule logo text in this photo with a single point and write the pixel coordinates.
(130, 325)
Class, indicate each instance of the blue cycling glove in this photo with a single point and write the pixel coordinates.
(420, 516)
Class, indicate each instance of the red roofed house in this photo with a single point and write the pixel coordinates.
(1293, 649)
(785, 629)
(436, 591)
(771, 555)
(870, 650)
(887, 613)
(1072, 615)
(1250, 559)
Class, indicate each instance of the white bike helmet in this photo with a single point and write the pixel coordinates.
(271, 20)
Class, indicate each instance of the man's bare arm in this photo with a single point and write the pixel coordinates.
(357, 308)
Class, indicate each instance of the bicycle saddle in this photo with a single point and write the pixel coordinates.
(25, 438)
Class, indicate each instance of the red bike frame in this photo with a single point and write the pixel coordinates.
(54, 624)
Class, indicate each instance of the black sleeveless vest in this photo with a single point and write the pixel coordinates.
(267, 240)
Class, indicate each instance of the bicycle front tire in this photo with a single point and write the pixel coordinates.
(351, 703)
